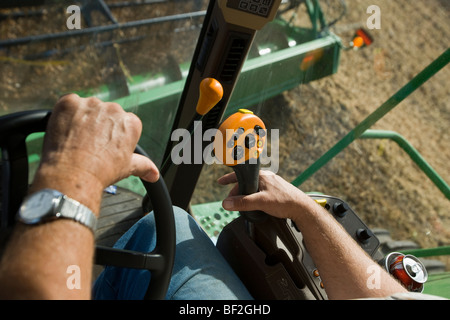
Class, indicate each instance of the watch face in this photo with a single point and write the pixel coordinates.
(37, 206)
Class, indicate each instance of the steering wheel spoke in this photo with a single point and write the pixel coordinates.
(152, 261)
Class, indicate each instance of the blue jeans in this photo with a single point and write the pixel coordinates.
(200, 272)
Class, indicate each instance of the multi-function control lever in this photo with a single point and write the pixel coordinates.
(238, 144)
(210, 93)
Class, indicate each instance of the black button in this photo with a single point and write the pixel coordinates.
(238, 153)
(250, 141)
(263, 11)
(243, 5)
(363, 235)
(340, 209)
(260, 131)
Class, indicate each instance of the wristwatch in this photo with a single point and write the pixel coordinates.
(48, 205)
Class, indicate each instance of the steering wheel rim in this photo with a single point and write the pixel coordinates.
(14, 129)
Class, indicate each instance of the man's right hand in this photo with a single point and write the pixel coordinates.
(89, 145)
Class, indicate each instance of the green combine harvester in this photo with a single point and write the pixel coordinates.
(255, 49)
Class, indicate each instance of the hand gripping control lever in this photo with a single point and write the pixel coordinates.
(238, 144)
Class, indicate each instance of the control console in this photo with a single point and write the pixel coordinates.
(268, 253)
(273, 261)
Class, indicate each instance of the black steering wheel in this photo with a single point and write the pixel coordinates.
(14, 129)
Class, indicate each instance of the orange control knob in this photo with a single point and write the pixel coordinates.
(240, 138)
(211, 92)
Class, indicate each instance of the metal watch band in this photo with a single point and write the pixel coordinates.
(72, 209)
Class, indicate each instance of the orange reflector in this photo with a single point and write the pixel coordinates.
(310, 59)
(358, 42)
(365, 37)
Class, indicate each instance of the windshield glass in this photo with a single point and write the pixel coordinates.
(115, 50)
(303, 77)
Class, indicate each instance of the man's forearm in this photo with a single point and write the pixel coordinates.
(49, 261)
(342, 263)
(53, 260)
(339, 259)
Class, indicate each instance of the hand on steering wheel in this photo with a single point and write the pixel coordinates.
(14, 129)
